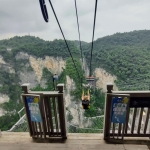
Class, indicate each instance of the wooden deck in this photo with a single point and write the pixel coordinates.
(22, 141)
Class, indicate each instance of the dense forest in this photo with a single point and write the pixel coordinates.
(125, 55)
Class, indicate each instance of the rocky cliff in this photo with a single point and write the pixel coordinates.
(3, 98)
(55, 65)
(103, 78)
(34, 76)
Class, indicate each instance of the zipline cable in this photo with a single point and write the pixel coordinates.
(93, 35)
(79, 36)
(78, 29)
(64, 37)
(90, 73)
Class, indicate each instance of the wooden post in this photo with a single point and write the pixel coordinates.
(62, 111)
(107, 111)
(60, 88)
(25, 88)
(25, 91)
(62, 116)
(109, 88)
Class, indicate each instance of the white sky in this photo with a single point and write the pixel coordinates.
(21, 17)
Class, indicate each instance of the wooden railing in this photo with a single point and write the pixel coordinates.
(51, 120)
(137, 117)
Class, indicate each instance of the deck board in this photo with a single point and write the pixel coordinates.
(22, 141)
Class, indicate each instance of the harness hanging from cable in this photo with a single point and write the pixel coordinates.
(86, 98)
(93, 37)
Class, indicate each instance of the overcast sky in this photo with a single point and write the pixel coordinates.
(24, 17)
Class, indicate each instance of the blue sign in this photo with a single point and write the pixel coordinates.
(119, 109)
(34, 110)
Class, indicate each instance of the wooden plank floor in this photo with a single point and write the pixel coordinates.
(22, 141)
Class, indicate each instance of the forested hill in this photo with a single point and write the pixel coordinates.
(135, 38)
(24, 59)
(37, 47)
(77, 43)
(126, 55)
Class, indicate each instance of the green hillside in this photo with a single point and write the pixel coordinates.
(37, 47)
(10, 82)
(126, 55)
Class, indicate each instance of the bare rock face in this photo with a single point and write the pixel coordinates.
(1, 112)
(1, 60)
(3, 98)
(104, 78)
(28, 77)
(71, 105)
(34, 76)
(56, 65)
(6, 66)
(22, 55)
(74, 107)
(25, 75)
(67, 91)
(52, 64)
(85, 68)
